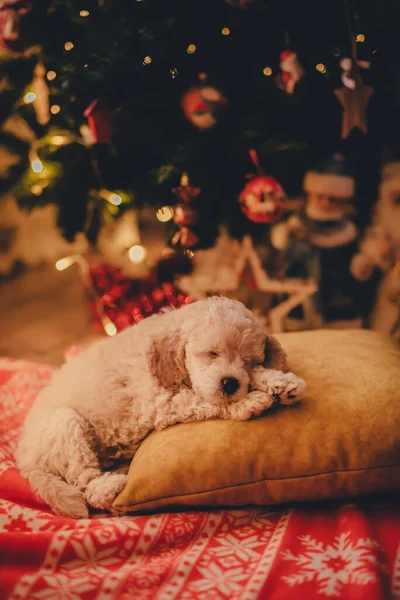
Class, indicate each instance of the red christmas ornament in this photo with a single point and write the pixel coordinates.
(100, 117)
(14, 24)
(262, 198)
(201, 105)
(185, 238)
(184, 215)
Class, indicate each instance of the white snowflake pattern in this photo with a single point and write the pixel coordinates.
(213, 578)
(335, 565)
(60, 586)
(242, 548)
(91, 558)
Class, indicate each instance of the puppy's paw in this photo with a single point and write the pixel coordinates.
(101, 492)
(285, 388)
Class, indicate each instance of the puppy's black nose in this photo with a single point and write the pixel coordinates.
(230, 385)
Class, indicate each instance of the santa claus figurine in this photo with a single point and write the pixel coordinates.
(324, 238)
(380, 247)
(291, 69)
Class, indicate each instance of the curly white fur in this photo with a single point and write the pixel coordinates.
(168, 369)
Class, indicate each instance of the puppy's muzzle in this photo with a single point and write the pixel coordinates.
(230, 385)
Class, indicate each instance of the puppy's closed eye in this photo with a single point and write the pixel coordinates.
(213, 354)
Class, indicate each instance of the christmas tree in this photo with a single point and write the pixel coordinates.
(112, 106)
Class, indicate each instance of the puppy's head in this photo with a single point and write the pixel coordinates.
(212, 347)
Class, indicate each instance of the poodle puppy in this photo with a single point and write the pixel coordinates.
(209, 359)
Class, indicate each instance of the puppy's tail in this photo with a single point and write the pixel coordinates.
(64, 499)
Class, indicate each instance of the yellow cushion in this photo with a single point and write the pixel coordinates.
(342, 440)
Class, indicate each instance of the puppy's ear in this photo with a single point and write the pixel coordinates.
(274, 355)
(166, 360)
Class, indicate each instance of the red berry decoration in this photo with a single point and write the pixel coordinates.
(125, 301)
(262, 199)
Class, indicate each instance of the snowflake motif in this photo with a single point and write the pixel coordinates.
(60, 586)
(336, 565)
(230, 545)
(213, 579)
(89, 557)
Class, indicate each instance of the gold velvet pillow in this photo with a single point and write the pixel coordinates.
(343, 439)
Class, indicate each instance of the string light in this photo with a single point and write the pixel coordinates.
(29, 97)
(137, 253)
(321, 68)
(84, 13)
(147, 60)
(37, 166)
(59, 140)
(115, 199)
(267, 71)
(37, 190)
(68, 46)
(174, 72)
(55, 109)
(226, 31)
(51, 75)
(64, 263)
(165, 213)
(191, 48)
(109, 326)
(360, 37)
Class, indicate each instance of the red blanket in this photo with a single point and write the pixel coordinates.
(336, 551)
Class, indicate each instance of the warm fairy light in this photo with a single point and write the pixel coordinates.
(191, 48)
(84, 13)
(267, 71)
(226, 31)
(321, 68)
(165, 213)
(360, 37)
(37, 166)
(59, 140)
(147, 60)
(184, 180)
(29, 97)
(51, 75)
(37, 190)
(115, 199)
(137, 253)
(68, 46)
(174, 72)
(55, 109)
(109, 326)
(64, 263)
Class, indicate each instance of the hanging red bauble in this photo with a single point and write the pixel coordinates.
(100, 117)
(202, 104)
(14, 24)
(184, 215)
(262, 198)
(185, 238)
